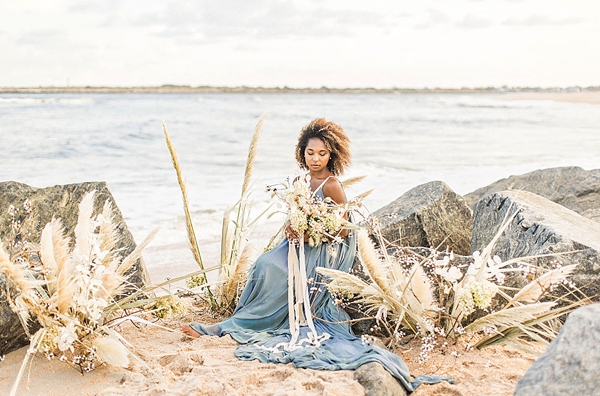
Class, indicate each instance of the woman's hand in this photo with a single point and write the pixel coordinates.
(292, 235)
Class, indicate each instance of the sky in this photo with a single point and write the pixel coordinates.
(293, 43)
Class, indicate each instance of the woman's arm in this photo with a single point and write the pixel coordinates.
(334, 190)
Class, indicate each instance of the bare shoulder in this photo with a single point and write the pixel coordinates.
(333, 189)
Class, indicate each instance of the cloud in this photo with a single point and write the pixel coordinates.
(42, 37)
(471, 21)
(435, 18)
(92, 6)
(210, 21)
(542, 20)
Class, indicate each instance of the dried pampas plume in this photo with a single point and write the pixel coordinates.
(421, 289)
(372, 262)
(230, 287)
(536, 288)
(111, 351)
(13, 272)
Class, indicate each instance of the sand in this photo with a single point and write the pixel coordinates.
(207, 366)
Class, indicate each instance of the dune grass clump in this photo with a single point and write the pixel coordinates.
(236, 252)
(74, 290)
(430, 297)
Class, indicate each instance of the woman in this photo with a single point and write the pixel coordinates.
(260, 321)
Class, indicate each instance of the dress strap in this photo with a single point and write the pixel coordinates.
(322, 184)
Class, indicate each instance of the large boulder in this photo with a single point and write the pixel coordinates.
(571, 187)
(429, 215)
(541, 227)
(571, 363)
(46, 203)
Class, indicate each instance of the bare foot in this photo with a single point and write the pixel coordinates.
(189, 332)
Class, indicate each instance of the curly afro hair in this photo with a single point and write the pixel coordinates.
(335, 140)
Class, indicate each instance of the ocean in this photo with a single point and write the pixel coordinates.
(398, 141)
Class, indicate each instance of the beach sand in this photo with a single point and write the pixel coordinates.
(589, 97)
(207, 366)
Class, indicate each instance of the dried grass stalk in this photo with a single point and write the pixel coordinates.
(85, 225)
(252, 153)
(533, 291)
(233, 280)
(422, 291)
(47, 255)
(60, 244)
(191, 233)
(107, 235)
(136, 254)
(14, 272)
(352, 181)
(372, 263)
(510, 316)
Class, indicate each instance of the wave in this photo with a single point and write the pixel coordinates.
(51, 100)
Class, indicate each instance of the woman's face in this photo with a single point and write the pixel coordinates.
(316, 155)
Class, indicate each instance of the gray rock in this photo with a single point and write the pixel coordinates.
(540, 227)
(12, 334)
(377, 381)
(571, 363)
(571, 187)
(60, 202)
(429, 215)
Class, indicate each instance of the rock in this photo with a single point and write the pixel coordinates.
(540, 227)
(571, 187)
(377, 381)
(571, 363)
(429, 215)
(60, 202)
(12, 334)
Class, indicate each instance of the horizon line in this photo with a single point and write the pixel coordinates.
(245, 88)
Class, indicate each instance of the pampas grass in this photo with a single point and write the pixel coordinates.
(192, 240)
(75, 294)
(424, 296)
(347, 183)
(232, 283)
(235, 256)
(252, 154)
(191, 233)
(235, 251)
(111, 351)
(533, 291)
(371, 262)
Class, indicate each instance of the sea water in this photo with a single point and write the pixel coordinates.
(398, 141)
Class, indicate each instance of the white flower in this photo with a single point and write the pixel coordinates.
(66, 337)
(451, 274)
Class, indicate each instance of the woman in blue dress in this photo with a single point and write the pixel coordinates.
(260, 322)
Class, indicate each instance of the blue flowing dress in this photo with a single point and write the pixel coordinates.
(260, 321)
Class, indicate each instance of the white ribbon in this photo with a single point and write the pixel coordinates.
(299, 303)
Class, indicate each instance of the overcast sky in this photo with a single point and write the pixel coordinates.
(270, 43)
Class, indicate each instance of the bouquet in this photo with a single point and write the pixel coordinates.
(321, 219)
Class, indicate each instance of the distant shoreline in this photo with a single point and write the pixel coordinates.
(589, 95)
(243, 89)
